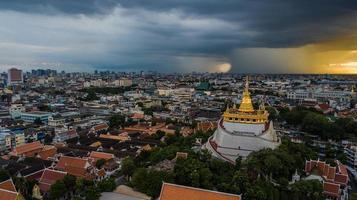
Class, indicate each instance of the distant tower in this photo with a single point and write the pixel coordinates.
(15, 76)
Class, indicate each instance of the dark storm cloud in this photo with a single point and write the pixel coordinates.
(276, 23)
(157, 31)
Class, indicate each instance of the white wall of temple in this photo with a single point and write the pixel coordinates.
(234, 145)
(257, 129)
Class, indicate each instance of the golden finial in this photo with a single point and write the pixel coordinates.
(246, 104)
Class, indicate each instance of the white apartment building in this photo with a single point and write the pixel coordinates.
(324, 95)
(351, 154)
(123, 82)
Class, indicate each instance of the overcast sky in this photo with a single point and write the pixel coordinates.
(265, 36)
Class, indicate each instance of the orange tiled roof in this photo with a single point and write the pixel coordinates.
(48, 151)
(100, 127)
(7, 195)
(101, 155)
(76, 171)
(178, 192)
(8, 190)
(28, 147)
(8, 185)
(66, 161)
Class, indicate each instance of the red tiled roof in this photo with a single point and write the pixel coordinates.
(331, 189)
(341, 178)
(35, 176)
(49, 177)
(323, 106)
(28, 147)
(179, 192)
(342, 168)
(321, 166)
(325, 173)
(331, 173)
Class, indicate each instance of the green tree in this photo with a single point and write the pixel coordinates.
(106, 185)
(57, 190)
(352, 196)
(4, 175)
(150, 182)
(99, 163)
(92, 193)
(307, 189)
(91, 96)
(116, 121)
(273, 114)
(24, 186)
(70, 183)
(127, 167)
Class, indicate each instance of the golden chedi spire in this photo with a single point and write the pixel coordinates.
(246, 113)
(246, 103)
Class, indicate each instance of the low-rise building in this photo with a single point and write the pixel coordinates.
(32, 116)
(10, 139)
(65, 135)
(55, 121)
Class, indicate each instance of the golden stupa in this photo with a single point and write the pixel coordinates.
(246, 113)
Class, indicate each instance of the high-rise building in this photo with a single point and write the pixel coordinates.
(15, 76)
(242, 130)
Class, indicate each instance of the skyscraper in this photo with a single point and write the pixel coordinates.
(15, 76)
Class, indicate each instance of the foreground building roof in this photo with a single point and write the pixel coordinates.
(179, 192)
(8, 191)
(28, 149)
(49, 177)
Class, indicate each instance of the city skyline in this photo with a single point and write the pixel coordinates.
(180, 36)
